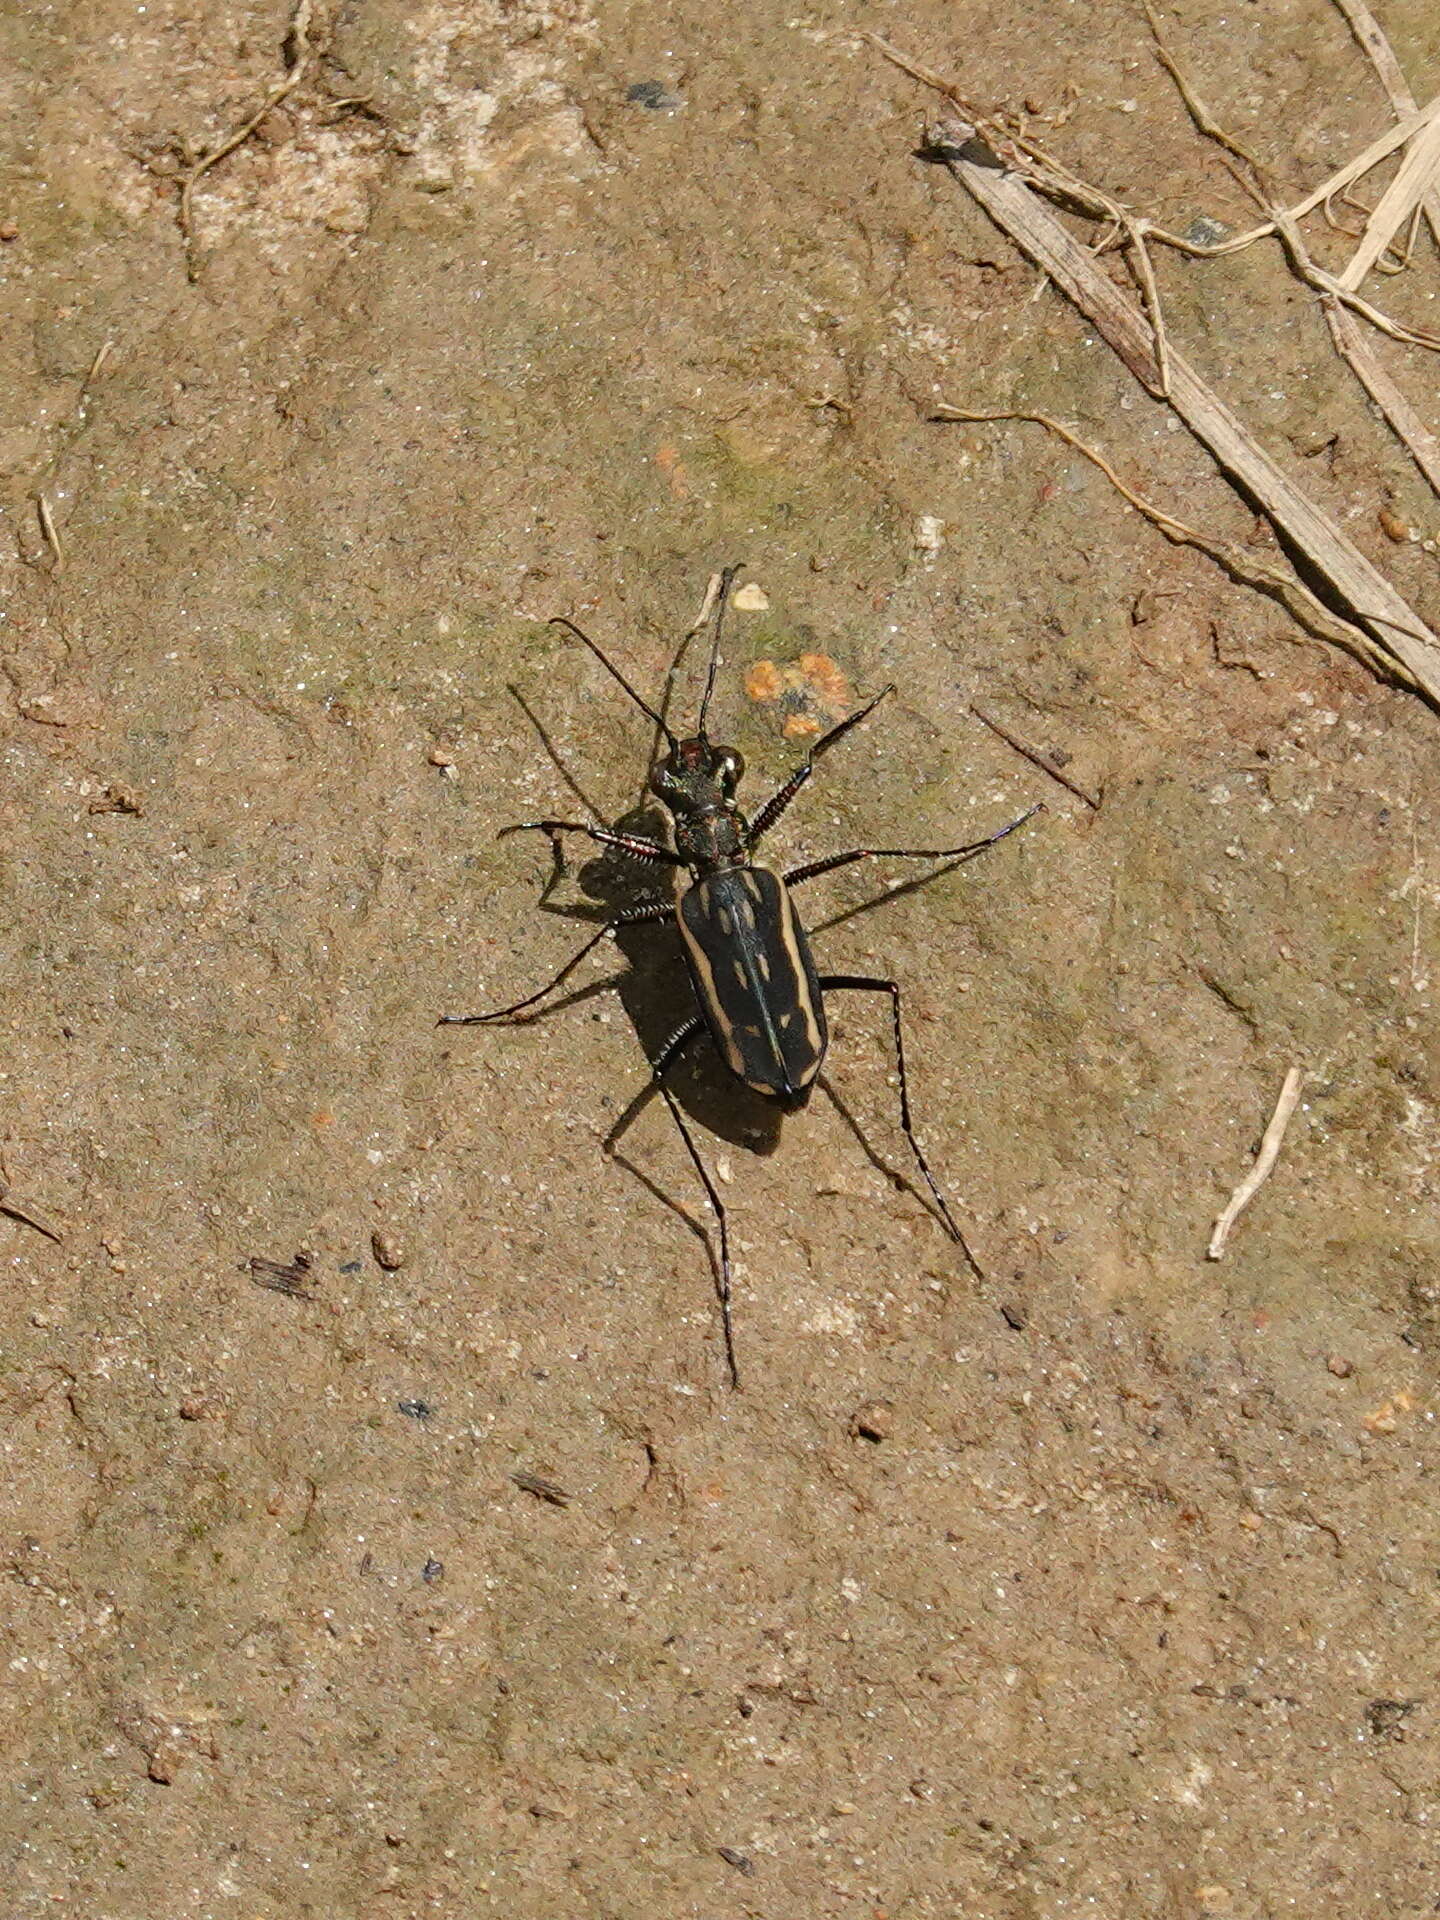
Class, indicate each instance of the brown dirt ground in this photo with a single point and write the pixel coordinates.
(1133, 1609)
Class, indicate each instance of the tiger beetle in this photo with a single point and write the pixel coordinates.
(759, 996)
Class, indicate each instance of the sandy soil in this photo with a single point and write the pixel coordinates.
(1107, 1587)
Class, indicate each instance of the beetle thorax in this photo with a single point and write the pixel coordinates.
(713, 838)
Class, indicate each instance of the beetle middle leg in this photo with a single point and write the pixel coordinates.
(633, 916)
(834, 860)
(659, 1067)
(863, 983)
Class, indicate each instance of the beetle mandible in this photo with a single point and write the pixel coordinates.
(760, 997)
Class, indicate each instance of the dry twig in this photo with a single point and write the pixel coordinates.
(541, 1488)
(1264, 1163)
(1047, 173)
(1367, 31)
(1414, 185)
(707, 605)
(1036, 759)
(297, 54)
(287, 1277)
(14, 1209)
(1380, 228)
(1199, 113)
(1420, 442)
(1248, 568)
(50, 531)
(1367, 597)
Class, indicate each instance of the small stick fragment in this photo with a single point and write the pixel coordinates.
(712, 591)
(102, 354)
(1264, 1163)
(50, 531)
(1036, 759)
(1421, 444)
(287, 1278)
(297, 54)
(27, 1216)
(541, 1488)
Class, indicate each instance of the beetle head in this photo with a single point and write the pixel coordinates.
(698, 777)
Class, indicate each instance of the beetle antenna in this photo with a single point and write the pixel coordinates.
(559, 620)
(727, 580)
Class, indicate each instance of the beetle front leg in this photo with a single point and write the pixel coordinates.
(862, 983)
(635, 844)
(779, 801)
(660, 910)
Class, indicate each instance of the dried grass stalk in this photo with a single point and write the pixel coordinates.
(1415, 181)
(1421, 444)
(1264, 1162)
(1357, 587)
(1368, 32)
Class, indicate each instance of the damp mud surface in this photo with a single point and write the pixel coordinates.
(439, 1571)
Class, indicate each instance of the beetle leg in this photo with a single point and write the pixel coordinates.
(814, 867)
(862, 983)
(715, 1204)
(659, 1067)
(779, 801)
(659, 910)
(635, 844)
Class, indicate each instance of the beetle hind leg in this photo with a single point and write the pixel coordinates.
(659, 910)
(659, 1067)
(863, 983)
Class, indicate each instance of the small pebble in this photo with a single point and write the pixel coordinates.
(1393, 527)
(558, 1807)
(9, 231)
(655, 95)
(118, 799)
(387, 1250)
(1205, 232)
(431, 1571)
(751, 598)
(1340, 1366)
(873, 1421)
(414, 1409)
(440, 757)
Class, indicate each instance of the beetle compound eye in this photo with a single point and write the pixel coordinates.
(732, 767)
